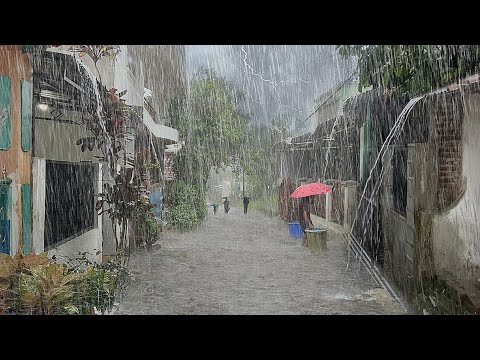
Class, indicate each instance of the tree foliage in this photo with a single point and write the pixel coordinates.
(180, 193)
(257, 160)
(214, 130)
(412, 69)
(210, 124)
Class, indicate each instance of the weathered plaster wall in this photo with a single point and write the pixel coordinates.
(38, 203)
(15, 65)
(455, 232)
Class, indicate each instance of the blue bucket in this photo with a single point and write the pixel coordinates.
(295, 229)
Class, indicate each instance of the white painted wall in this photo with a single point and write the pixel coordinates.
(108, 248)
(38, 204)
(350, 205)
(160, 131)
(328, 206)
(456, 232)
(125, 80)
(14, 224)
(62, 146)
(227, 188)
(90, 241)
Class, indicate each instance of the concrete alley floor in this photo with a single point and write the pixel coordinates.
(248, 264)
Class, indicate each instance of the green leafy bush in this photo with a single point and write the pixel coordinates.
(35, 284)
(147, 229)
(186, 205)
(150, 229)
(183, 216)
(48, 289)
(99, 284)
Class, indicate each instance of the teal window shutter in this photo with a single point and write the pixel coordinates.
(5, 121)
(5, 208)
(26, 220)
(26, 115)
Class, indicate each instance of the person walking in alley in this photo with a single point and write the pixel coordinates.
(304, 216)
(215, 208)
(226, 205)
(246, 200)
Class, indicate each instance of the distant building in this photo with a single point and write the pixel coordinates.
(330, 104)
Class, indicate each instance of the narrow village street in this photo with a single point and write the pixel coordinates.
(248, 264)
(113, 158)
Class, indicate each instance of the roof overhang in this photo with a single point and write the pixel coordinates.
(160, 131)
(302, 142)
(62, 81)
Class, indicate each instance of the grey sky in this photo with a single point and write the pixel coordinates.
(275, 78)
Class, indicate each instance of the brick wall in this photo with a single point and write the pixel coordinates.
(447, 133)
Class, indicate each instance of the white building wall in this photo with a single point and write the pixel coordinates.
(38, 204)
(15, 224)
(456, 232)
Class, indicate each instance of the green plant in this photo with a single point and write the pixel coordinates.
(96, 52)
(108, 127)
(267, 204)
(183, 217)
(97, 291)
(186, 204)
(7, 280)
(145, 226)
(211, 125)
(151, 229)
(412, 69)
(123, 202)
(48, 289)
(108, 123)
(10, 270)
(100, 282)
(34, 284)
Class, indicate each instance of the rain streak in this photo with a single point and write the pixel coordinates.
(239, 179)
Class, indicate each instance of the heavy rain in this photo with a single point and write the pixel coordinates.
(239, 179)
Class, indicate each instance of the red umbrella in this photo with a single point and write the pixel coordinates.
(315, 188)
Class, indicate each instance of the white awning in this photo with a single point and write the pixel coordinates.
(174, 148)
(160, 131)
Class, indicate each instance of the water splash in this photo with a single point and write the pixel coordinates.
(328, 148)
(393, 135)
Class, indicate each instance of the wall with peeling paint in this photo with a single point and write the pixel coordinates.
(16, 65)
(455, 232)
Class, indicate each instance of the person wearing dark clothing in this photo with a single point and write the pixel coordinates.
(304, 215)
(215, 208)
(226, 205)
(246, 200)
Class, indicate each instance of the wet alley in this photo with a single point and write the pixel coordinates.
(111, 154)
(248, 264)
